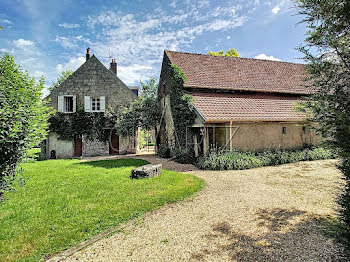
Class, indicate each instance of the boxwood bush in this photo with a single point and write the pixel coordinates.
(246, 160)
(163, 151)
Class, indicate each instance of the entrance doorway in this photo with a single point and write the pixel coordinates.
(78, 146)
(114, 144)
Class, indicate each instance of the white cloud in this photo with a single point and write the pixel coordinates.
(134, 72)
(5, 21)
(228, 37)
(275, 10)
(281, 6)
(65, 42)
(266, 57)
(23, 44)
(173, 4)
(69, 26)
(135, 40)
(73, 64)
(71, 42)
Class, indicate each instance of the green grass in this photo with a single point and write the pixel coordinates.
(65, 202)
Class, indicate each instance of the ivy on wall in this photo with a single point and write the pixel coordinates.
(91, 125)
(182, 108)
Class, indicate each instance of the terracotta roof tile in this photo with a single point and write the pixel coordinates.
(244, 74)
(242, 107)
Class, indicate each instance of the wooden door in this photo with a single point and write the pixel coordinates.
(114, 147)
(78, 146)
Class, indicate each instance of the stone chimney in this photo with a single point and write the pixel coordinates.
(113, 66)
(87, 53)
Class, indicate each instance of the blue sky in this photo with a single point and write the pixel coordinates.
(49, 36)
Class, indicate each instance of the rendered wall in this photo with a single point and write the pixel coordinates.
(63, 148)
(259, 136)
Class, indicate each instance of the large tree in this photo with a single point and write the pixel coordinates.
(143, 112)
(23, 117)
(64, 75)
(232, 52)
(327, 53)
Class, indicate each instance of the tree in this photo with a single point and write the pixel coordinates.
(232, 52)
(327, 53)
(23, 117)
(64, 75)
(1, 27)
(143, 112)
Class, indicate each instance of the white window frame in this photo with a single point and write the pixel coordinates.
(62, 104)
(88, 101)
(98, 99)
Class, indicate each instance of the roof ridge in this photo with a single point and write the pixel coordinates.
(230, 57)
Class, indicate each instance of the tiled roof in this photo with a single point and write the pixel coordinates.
(244, 74)
(242, 107)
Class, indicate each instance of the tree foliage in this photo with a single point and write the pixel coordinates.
(232, 52)
(182, 108)
(327, 53)
(143, 112)
(64, 75)
(91, 125)
(23, 117)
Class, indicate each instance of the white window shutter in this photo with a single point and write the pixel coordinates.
(102, 104)
(87, 104)
(74, 103)
(60, 103)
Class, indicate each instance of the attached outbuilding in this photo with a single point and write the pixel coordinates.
(241, 103)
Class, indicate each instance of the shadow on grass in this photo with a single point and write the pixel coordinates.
(281, 235)
(115, 163)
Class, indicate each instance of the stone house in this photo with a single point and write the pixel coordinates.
(95, 88)
(241, 103)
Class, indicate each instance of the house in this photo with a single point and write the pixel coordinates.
(240, 103)
(95, 88)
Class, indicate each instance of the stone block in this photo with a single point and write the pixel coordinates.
(146, 171)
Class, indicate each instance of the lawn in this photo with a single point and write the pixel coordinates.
(65, 202)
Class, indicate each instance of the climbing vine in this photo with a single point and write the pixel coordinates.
(91, 125)
(182, 108)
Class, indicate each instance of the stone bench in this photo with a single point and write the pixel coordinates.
(146, 171)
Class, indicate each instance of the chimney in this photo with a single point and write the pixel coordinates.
(113, 66)
(87, 53)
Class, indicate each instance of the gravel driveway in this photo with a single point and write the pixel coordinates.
(264, 214)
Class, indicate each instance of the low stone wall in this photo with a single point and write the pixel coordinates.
(95, 148)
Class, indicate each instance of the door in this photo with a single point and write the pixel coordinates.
(114, 146)
(78, 146)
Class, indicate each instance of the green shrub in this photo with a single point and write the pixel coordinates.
(247, 160)
(163, 151)
(183, 156)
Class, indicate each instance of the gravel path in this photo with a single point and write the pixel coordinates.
(264, 214)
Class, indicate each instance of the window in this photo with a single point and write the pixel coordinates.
(284, 130)
(304, 129)
(95, 104)
(68, 104)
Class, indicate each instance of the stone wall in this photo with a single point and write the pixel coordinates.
(95, 148)
(94, 79)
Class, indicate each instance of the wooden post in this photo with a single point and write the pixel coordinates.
(231, 136)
